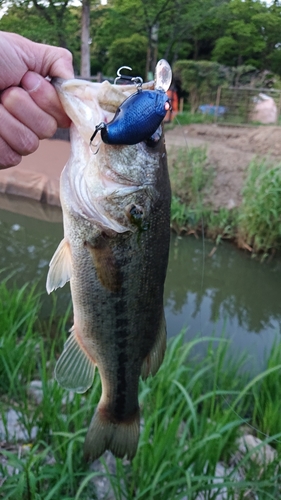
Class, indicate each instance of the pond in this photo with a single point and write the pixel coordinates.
(225, 293)
(208, 294)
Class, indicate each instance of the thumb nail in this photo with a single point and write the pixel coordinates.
(31, 82)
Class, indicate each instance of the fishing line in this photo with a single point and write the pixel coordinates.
(202, 230)
(243, 420)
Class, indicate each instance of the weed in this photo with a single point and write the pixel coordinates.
(192, 411)
(267, 407)
(187, 118)
(255, 224)
(183, 216)
(189, 174)
(259, 224)
(191, 179)
(221, 224)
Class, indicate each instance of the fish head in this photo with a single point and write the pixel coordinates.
(113, 185)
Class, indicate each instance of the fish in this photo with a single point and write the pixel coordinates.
(116, 218)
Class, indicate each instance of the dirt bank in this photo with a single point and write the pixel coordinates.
(229, 150)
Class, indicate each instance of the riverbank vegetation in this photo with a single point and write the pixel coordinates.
(254, 225)
(200, 418)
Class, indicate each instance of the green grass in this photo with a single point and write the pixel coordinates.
(192, 412)
(191, 179)
(259, 223)
(187, 118)
(255, 224)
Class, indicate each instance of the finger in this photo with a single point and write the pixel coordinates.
(45, 96)
(19, 104)
(8, 157)
(59, 64)
(18, 137)
(49, 61)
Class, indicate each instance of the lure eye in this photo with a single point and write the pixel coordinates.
(155, 138)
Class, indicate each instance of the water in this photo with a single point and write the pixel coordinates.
(227, 293)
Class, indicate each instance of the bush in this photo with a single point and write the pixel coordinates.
(197, 77)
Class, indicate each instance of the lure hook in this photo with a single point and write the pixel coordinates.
(98, 127)
(137, 80)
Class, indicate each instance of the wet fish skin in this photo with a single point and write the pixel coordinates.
(116, 209)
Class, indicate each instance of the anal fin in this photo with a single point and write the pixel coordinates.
(153, 360)
(75, 369)
(60, 267)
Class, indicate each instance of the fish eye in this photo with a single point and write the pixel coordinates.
(155, 138)
(135, 213)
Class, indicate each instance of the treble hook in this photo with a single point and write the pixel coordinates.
(137, 80)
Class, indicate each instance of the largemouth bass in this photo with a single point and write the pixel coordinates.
(116, 213)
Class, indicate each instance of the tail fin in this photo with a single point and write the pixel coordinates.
(121, 438)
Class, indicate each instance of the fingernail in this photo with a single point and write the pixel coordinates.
(31, 82)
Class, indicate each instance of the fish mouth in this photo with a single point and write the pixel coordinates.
(79, 99)
(117, 170)
(88, 104)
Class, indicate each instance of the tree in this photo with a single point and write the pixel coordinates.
(56, 14)
(128, 17)
(135, 48)
(231, 32)
(193, 30)
(40, 25)
(244, 40)
(85, 70)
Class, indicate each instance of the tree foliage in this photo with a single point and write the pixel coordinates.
(198, 78)
(42, 24)
(135, 48)
(139, 32)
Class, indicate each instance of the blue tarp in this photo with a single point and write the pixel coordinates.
(209, 109)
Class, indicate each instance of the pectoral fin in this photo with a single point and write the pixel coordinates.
(60, 267)
(155, 357)
(75, 368)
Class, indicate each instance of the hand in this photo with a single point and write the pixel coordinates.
(29, 106)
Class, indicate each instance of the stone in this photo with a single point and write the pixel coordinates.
(264, 455)
(35, 391)
(12, 429)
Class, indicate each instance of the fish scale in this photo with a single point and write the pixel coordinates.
(116, 211)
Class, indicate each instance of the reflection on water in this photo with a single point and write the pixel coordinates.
(27, 245)
(227, 293)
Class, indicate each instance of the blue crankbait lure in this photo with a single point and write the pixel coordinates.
(140, 115)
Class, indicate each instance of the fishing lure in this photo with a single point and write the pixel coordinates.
(140, 115)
